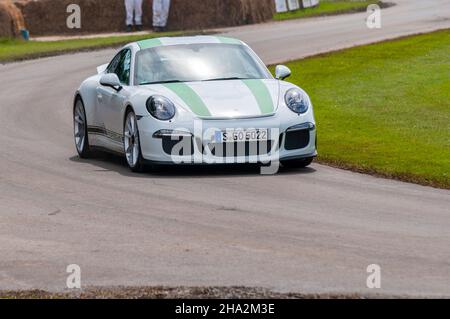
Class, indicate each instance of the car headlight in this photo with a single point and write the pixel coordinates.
(297, 101)
(160, 108)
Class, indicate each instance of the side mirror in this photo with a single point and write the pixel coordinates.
(111, 80)
(282, 72)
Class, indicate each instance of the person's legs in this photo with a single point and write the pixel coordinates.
(129, 4)
(138, 13)
(165, 12)
(160, 14)
(157, 5)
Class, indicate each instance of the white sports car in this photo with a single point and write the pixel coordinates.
(193, 100)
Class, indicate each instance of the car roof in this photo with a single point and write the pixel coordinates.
(166, 41)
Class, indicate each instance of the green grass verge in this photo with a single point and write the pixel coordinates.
(14, 49)
(328, 7)
(384, 108)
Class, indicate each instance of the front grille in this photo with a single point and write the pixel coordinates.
(239, 149)
(297, 139)
(186, 148)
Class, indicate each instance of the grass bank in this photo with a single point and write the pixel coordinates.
(15, 49)
(384, 108)
(329, 7)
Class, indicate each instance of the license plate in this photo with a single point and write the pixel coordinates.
(242, 135)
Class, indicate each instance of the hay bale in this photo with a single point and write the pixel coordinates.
(5, 23)
(202, 14)
(11, 19)
(48, 17)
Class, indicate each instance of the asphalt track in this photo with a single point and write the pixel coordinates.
(312, 230)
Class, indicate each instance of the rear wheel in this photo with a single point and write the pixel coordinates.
(131, 143)
(80, 129)
(298, 163)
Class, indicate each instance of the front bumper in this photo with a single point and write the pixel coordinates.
(161, 142)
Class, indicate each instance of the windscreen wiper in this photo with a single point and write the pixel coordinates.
(161, 82)
(226, 79)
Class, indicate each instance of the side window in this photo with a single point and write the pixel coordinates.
(114, 63)
(121, 65)
(125, 67)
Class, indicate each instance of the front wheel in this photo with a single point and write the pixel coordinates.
(80, 129)
(131, 143)
(298, 163)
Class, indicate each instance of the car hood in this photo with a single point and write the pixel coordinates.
(224, 99)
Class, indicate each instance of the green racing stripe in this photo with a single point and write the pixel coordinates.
(228, 40)
(261, 94)
(150, 43)
(189, 97)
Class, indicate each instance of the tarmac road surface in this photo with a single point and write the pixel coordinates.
(313, 230)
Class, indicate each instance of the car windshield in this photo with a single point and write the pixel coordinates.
(197, 62)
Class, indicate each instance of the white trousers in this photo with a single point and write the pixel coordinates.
(160, 12)
(134, 9)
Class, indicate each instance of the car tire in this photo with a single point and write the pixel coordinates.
(298, 163)
(131, 143)
(80, 129)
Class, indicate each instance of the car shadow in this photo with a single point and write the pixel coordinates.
(109, 162)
